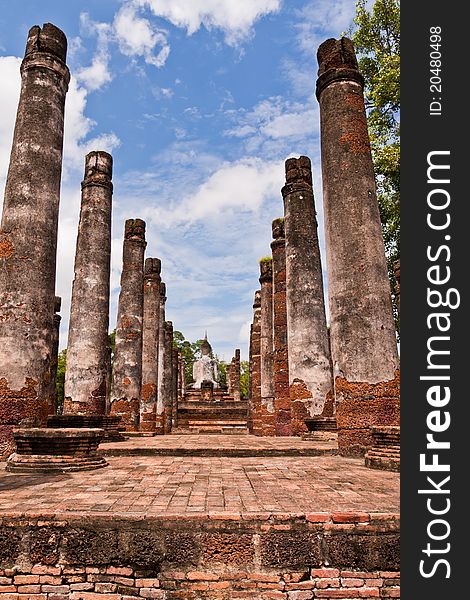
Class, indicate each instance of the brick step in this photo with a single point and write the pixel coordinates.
(225, 430)
(195, 416)
(212, 423)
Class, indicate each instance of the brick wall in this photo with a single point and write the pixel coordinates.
(328, 556)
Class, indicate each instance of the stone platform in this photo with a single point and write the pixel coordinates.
(212, 416)
(214, 528)
(220, 446)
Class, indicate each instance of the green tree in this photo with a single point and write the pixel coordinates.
(190, 352)
(60, 379)
(376, 37)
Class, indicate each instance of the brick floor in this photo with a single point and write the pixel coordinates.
(169, 485)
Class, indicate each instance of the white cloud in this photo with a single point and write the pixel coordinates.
(234, 18)
(77, 129)
(10, 77)
(98, 73)
(319, 19)
(138, 37)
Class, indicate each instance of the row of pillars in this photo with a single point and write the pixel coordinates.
(299, 367)
(143, 386)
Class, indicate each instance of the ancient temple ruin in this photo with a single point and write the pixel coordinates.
(243, 510)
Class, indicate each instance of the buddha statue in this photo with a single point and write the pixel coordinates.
(206, 368)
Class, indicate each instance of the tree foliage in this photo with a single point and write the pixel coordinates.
(60, 379)
(189, 351)
(376, 37)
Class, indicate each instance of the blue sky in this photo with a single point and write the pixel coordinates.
(200, 102)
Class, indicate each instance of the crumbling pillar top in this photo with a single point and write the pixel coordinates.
(152, 268)
(337, 61)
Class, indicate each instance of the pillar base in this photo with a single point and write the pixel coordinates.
(362, 406)
(41, 450)
(109, 423)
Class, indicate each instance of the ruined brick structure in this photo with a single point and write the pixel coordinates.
(362, 331)
(86, 374)
(282, 404)
(159, 411)
(28, 246)
(150, 338)
(175, 367)
(310, 375)
(127, 368)
(265, 414)
(254, 424)
(235, 376)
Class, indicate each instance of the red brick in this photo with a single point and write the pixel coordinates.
(202, 576)
(264, 577)
(337, 594)
(125, 571)
(105, 588)
(325, 573)
(29, 589)
(369, 593)
(148, 583)
(301, 585)
(326, 582)
(219, 585)
(51, 579)
(45, 570)
(350, 517)
(5, 580)
(390, 592)
(94, 596)
(349, 582)
(151, 593)
(25, 579)
(300, 595)
(7, 588)
(318, 517)
(82, 587)
(390, 574)
(55, 589)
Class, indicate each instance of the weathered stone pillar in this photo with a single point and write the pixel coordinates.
(85, 388)
(127, 369)
(55, 348)
(255, 403)
(267, 416)
(250, 382)
(175, 371)
(181, 387)
(28, 234)
(396, 272)
(150, 344)
(160, 408)
(235, 372)
(310, 376)
(363, 342)
(168, 378)
(282, 404)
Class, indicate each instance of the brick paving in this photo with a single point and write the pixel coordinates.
(190, 486)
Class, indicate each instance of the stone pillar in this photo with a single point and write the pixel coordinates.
(85, 387)
(55, 349)
(181, 387)
(255, 403)
(282, 405)
(396, 272)
(175, 381)
(363, 342)
(159, 413)
(168, 378)
(235, 372)
(127, 369)
(267, 416)
(250, 382)
(28, 234)
(228, 376)
(150, 344)
(310, 375)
